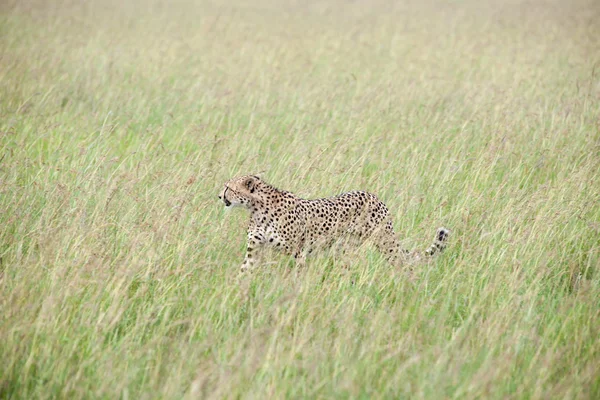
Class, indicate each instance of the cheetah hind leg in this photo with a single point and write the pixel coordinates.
(391, 249)
(300, 258)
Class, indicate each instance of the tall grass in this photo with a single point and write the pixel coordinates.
(119, 268)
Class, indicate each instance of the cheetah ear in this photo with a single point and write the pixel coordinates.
(250, 185)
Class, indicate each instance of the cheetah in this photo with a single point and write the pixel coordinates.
(299, 226)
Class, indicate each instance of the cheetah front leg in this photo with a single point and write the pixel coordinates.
(300, 252)
(254, 242)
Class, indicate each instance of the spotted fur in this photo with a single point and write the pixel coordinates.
(298, 226)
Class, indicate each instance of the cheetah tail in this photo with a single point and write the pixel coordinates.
(440, 242)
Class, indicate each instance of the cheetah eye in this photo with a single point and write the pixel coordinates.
(248, 183)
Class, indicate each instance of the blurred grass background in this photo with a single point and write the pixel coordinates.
(119, 123)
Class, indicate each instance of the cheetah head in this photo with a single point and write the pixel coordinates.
(241, 191)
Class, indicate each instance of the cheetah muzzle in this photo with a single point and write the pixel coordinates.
(299, 226)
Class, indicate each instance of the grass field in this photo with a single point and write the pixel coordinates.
(119, 124)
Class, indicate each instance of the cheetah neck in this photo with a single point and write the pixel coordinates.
(270, 196)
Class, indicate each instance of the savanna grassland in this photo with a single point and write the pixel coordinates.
(120, 121)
